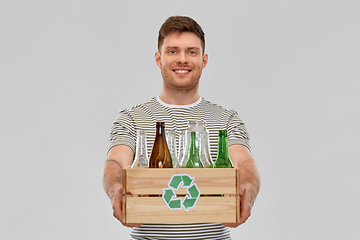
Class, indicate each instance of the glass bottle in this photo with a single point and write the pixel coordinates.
(193, 160)
(203, 138)
(182, 147)
(198, 125)
(171, 141)
(160, 155)
(223, 159)
(141, 156)
(204, 147)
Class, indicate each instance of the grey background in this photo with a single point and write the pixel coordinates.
(290, 69)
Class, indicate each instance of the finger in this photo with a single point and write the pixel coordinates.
(117, 205)
(118, 210)
(231, 225)
(245, 208)
(241, 190)
(134, 225)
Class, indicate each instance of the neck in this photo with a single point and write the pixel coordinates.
(179, 97)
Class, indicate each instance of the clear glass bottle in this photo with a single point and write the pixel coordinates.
(204, 149)
(141, 156)
(198, 125)
(182, 146)
(160, 154)
(223, 159)
(203, 138)
(171, 141)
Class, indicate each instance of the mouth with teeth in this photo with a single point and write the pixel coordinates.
(181, 71)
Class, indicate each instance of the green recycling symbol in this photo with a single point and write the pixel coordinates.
(190, 199)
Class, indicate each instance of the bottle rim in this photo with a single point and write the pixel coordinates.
(223, 132)
(160, 124)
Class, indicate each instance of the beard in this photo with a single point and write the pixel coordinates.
(180, 84)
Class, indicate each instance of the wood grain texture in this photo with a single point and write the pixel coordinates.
(219, 199)
(209, 180)
(207, 209)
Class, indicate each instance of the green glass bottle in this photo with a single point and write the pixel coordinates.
(194, 156)
(223, 159)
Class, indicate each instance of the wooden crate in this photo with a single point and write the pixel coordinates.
(149, 195)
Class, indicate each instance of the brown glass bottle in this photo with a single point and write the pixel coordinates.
(160, 155)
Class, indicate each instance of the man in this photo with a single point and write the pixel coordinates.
(181, 57)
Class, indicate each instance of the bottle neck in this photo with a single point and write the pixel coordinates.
(160, 128)
(223, 143)
(141, 141)
(194, 157)
(193, 142)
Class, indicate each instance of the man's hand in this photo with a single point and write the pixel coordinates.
(119, 157)
(245, 209)
(249, 181)
(116, 202)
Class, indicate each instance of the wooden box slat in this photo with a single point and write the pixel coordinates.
(207, 209)
(147, 181)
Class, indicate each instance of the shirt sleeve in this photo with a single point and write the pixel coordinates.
(237, 132)
(123, 131)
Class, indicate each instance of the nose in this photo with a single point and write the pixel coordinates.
(182, 58)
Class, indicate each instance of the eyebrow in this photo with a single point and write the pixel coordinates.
(174, 47)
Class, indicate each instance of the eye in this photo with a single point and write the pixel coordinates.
(192, 52)
(172, 51)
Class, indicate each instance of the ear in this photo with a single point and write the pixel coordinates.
(205, 60)
(158, 59)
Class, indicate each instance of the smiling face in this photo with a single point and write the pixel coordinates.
(181, 61)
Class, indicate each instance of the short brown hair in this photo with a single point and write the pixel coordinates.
(180, 24)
